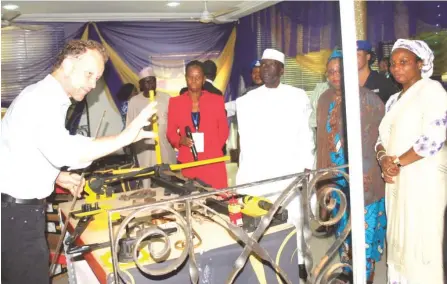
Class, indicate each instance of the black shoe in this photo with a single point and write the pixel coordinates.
(324, 231)
(346, 278)
(302, 271)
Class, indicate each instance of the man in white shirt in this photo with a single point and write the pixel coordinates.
(34, 145)
(145, 149)
(275, 137)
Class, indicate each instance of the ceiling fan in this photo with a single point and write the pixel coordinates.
(8, 17)
(206, 16)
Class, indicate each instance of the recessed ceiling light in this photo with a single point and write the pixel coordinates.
(10, 7)
(173, 4)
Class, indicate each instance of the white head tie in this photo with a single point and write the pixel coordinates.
(421, 49)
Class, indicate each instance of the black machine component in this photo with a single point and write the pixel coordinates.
(80, 228)
(126, 245)
(87, 207)
(173, 184)
(86, 248)
(99, 183)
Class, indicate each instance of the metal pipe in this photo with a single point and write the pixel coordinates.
(352, 102)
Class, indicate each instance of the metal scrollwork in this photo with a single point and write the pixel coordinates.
(306, 189)
(322, 273)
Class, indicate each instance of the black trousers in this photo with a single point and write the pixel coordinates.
(25, 255)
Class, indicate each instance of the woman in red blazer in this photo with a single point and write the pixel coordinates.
(204, 113)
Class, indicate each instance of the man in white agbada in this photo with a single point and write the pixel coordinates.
(145, 149)
(275, 138)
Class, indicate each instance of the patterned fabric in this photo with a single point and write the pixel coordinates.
(330, 141)
(375, 232)
(421, 49)
(432, 140)
(331, 128)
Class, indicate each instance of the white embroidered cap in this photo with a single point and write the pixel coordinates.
(146, 72)
(273, 54)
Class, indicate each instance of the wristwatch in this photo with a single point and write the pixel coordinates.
(397, 162)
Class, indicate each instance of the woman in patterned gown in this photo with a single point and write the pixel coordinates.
(332, 151)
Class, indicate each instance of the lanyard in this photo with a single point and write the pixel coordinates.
(196, 120)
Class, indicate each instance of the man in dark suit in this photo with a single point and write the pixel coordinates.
(210, 70)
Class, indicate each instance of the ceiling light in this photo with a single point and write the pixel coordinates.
(10, 7)
(173, 4)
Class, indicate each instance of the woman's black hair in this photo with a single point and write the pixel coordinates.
(196, 63)
(125, 92)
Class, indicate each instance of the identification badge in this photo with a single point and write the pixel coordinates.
(199, 141)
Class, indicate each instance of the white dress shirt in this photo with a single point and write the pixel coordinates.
(34, 143)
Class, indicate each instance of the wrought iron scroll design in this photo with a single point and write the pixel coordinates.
(303, 183)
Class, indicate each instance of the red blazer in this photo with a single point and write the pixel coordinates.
(214, 125)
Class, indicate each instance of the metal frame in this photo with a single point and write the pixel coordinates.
(303, 183)
(71, 271)
(352, 101)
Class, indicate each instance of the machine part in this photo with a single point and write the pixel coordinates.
(86, 248)
(171, 187)
(73, 203)
(126, 247)
(80, 228)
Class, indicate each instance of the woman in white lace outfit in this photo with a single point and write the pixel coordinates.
(413, 157)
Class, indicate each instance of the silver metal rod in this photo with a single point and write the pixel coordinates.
(352, 102)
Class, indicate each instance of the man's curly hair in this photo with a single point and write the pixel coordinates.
(78, 47)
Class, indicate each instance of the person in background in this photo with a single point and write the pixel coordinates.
(283, 111)
(210, 69)
(384, 67)
(370, 79)
(256, 80)
(332, 152)
(145, 149)
(126, 92)
(34, 136)
(204, 114)
(412, 154)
